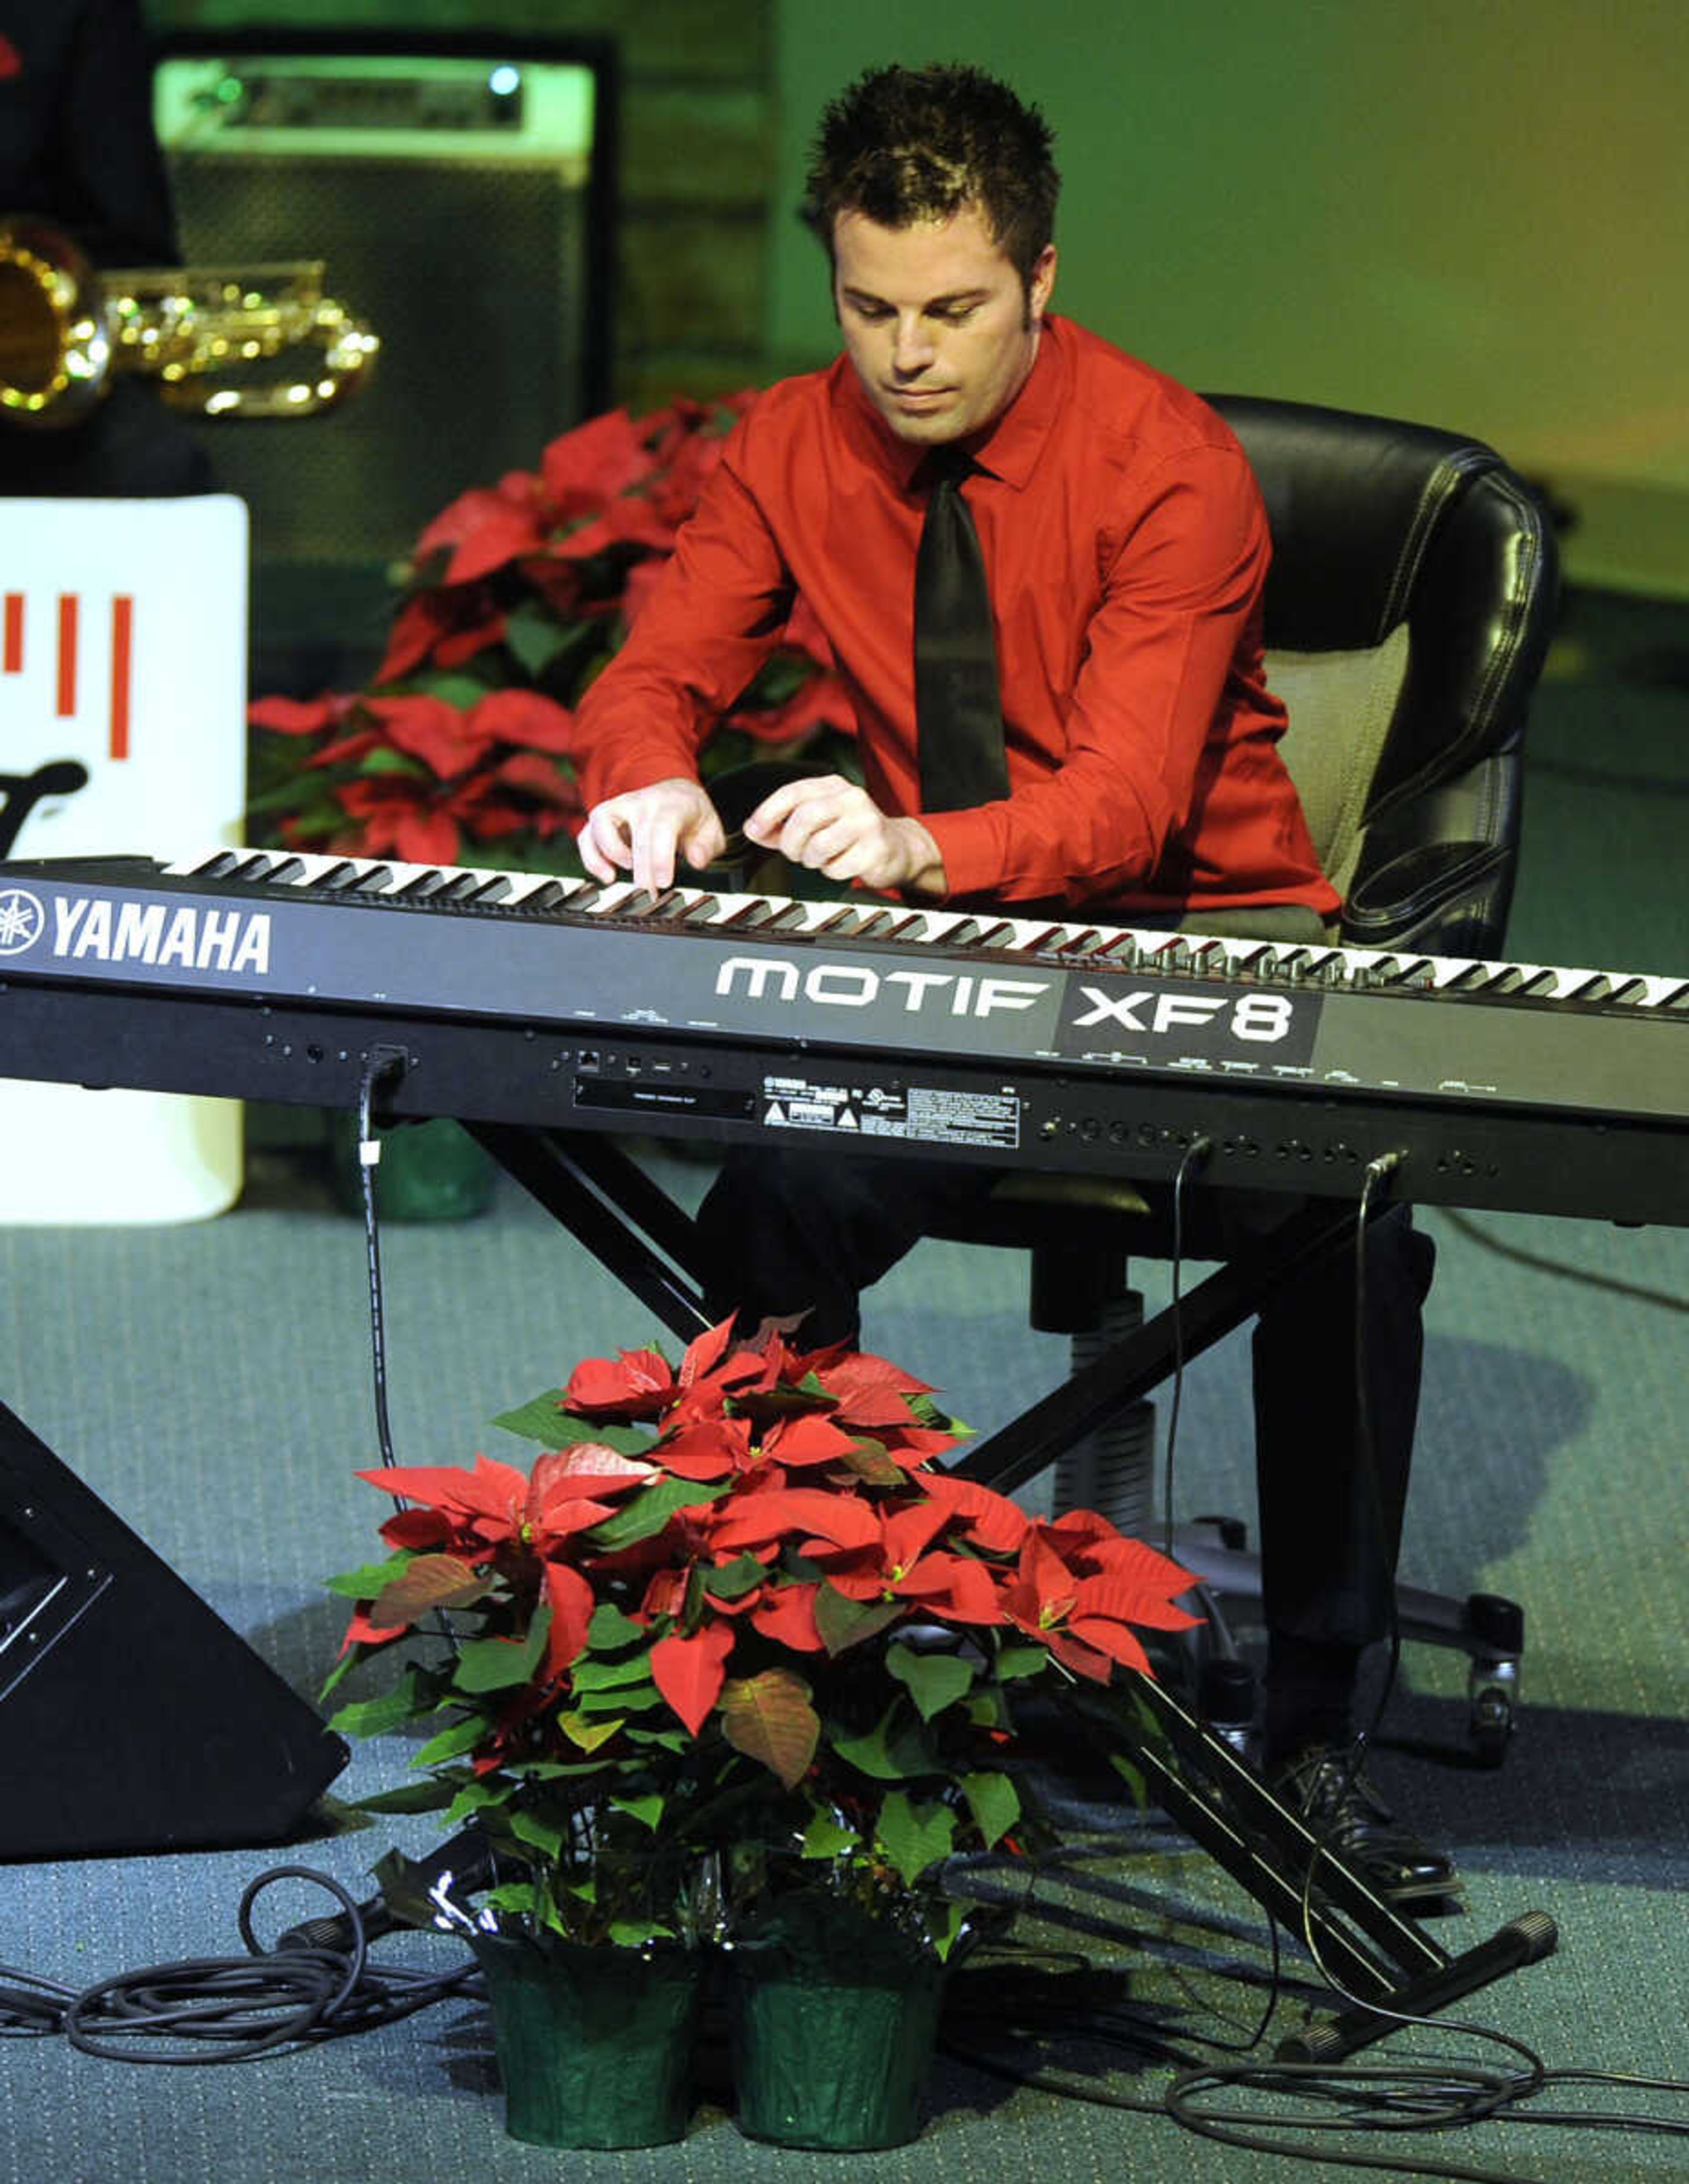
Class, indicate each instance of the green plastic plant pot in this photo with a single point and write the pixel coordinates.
(826, 2060)
(594, 2045)
(432, 1171)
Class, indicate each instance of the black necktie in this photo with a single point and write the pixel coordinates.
(958, 714)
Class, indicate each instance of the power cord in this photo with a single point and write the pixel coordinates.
(1636, 1292)
(1196, 1158)
(234, 2009)
(382, 1063)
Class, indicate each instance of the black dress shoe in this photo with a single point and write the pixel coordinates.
(1339, 1806)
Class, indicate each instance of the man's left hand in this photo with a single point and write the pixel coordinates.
(830, 825)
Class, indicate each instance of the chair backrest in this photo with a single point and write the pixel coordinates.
(1407, 612)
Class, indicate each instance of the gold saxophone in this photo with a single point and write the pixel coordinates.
(263, 341)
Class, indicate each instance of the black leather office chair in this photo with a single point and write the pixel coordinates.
(1407, 613)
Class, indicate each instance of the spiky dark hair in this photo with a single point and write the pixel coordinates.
(901, 145)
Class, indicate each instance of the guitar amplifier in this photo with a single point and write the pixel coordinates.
(460, 202)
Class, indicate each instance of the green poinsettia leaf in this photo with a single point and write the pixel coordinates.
(1133, 1777)
(541, 1419)
(454, 687)
(451, 1743)
(610, 1628)
(637, 1933)
(374, 1578)
(433, 1796)
(342, 1668)
(915, 1836)
(769, 1718)
(843, 1622)
(409, 1697)
(650, 1509)
(935, 1680)
(590, 1674)
(893, 1750)
(533, 636)
(824, 1838)
(663, 1740)
(476, 1798)
(733, 1580)
(943, 1922)
(1015, 1661)
(623, 1698)
(560, 1770)
(926, 1412)
(515, 1896)
(987, 1708)
(648, 1811)
(994, 1802)
(500, 1664)
(581, 1729)
(384, 760)
(538, 1834)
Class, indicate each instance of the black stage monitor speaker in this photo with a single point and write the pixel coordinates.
(459, 197)
(132, 1718)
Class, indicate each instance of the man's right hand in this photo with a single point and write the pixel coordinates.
(644, 831)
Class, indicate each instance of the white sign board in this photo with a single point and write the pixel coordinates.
(123, 640)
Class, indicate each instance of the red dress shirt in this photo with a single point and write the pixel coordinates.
(1125, 546)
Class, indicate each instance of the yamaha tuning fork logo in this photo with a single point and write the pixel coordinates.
(22, 920)
(99, 931)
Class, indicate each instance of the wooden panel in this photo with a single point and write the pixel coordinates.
(692, 281)
(696, 145)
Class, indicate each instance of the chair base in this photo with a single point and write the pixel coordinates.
(1489, 1629)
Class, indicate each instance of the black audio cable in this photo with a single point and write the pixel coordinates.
(236, 2009)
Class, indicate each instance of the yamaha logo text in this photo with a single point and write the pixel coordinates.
(93, 929)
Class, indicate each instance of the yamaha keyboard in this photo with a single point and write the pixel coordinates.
(522, 998)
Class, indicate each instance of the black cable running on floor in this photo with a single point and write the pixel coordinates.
(234, 2009)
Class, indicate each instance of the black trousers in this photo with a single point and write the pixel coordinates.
(787, 1230)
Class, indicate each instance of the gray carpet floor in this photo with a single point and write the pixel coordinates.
(210, 1384)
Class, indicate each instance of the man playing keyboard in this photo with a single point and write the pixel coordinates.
(1040, 564)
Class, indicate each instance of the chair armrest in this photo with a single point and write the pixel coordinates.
(1436, 870)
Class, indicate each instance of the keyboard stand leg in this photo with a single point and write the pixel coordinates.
(606, 1202)
(1141, 1360)
(1389, 1965)
(1384, 1959)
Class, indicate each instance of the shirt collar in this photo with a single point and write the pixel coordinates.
(1009, 448)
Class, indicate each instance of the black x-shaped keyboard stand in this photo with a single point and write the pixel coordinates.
(1376, 1954)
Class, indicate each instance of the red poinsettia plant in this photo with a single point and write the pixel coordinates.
(736, 1618)
(462, 748)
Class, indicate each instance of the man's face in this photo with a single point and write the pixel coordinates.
(936, 320)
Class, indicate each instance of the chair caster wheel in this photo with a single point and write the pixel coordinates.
(1492, 1686)
(1490, 1727)
(1231, 1532)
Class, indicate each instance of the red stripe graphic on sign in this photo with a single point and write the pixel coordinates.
(122, 636)
(67, 655)
(12, 642)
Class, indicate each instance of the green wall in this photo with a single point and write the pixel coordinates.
(1471, 212)
(1468, 211)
